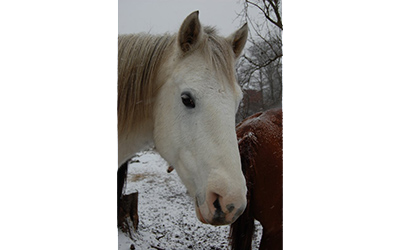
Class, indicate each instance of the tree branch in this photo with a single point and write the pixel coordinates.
(277, 23)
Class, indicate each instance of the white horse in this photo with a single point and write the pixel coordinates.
(179, 92)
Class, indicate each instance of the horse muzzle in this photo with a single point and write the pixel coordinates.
(217, 210)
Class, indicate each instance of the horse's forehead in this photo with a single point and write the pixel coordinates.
(200, 71)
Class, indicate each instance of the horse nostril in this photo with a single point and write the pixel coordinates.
(219, 216)
(216, 204)
(230, 208)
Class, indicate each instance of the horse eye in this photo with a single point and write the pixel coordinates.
(187, 100)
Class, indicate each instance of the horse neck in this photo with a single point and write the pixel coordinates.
(135, 141)
(135, 133)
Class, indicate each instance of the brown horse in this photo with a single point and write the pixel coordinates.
(260, 146)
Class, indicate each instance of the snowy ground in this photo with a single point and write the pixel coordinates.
(167, 218)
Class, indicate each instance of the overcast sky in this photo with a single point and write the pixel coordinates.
(58, 110)
(160, 16)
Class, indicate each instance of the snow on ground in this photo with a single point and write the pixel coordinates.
(167, 218)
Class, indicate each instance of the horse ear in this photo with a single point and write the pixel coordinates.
(189, 32)
(238, 40)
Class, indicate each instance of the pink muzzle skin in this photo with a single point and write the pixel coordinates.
(214, 214)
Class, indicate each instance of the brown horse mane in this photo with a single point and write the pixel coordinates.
(140, 57)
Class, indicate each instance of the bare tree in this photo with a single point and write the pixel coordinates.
(260, 68)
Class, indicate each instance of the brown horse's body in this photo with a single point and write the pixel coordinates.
(260, 145)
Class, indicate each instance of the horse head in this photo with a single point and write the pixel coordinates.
(194, 118)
